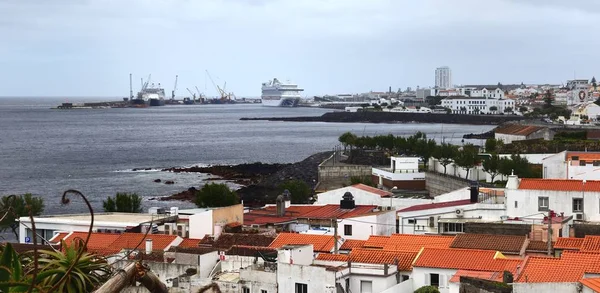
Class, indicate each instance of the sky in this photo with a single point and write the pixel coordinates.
(89, 47)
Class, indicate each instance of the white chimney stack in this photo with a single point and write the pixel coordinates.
(512, 182)
(148, 246)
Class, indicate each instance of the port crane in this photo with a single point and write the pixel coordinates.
(199, 95)
(193, 95)
(174, 88)
(224, 95)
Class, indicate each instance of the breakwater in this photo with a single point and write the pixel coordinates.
(391, 117)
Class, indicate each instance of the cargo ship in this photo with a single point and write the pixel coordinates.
(278, 94)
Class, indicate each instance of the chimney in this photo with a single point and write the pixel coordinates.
(280, 205)
(148, 246)
(474, 192)
(347, 202)
(513, 181)
(287, 198)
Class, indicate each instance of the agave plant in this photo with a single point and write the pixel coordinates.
(87, 273)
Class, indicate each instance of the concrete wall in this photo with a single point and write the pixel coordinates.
(438, 183)
(362, 197)
(406, 286)
(226, 215)
(383, 223)
(233, 263)
(342, 171)
(318, 279)
(205, 262)
(545, 287)
(373, 274)
(201, 224)
(164, 271)
(257, 279)
(300, 255)
(559, 201)
(497, 228)
(476, 173)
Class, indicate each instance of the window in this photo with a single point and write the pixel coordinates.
(452, 228)
(582, 163)
(596, 163)
(263, 291)
(348, 230)
(543, 203)
(516, 204)
(434, 280)
(245, 290)
(575, 158)
(577, 205)
(301, 288)
(366, 286)
(411, 221)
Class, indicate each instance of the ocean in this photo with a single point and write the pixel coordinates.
(45, 151)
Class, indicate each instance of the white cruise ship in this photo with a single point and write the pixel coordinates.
(278, 94)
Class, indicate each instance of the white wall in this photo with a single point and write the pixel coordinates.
(475, 173)
(404, 287)
(205, 262)
(545, 287)
(420, 277)
(300, 255)
(318, 279)
(559, 201)
(68, 226)
(508, 138)
(362, 197)
(383, 223)
(201, 224)
(257, 280)
(374, 274)
(233, 263)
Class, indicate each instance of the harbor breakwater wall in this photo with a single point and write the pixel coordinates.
(392, 117)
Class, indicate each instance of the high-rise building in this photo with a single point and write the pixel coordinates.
(443, 77)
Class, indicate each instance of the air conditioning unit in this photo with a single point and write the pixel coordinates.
(579, 216)
(459, 213)
(431, 222)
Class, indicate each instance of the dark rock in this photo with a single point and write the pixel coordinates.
(157, 180)
(169, 182)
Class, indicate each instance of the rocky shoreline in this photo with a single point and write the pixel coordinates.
(394, 117)
(260, 180)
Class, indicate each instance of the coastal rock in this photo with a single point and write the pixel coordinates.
(169, 182)
(157, 180)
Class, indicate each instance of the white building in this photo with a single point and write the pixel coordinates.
(515, 132)
(572, 165)
(443, 77)
(403, 173)
(477, 105)
(589, 109)
(211, 221)
(533, 198)
(48, 226)
(367, 195)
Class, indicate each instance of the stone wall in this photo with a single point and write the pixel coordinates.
(497, 228)
(438, 183)
(472, 285)
(334, 170)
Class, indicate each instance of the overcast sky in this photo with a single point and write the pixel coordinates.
(89, 47)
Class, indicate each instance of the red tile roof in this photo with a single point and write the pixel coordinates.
(321, 243)
(439, 205)
(58, 237)
(508, 244)
(189, 243)
(351, 244)
(516, 129)
(332, 257)
(376, 241)
(130, 240)
(97, 240)
(592, 283)
(584, 156)
(268, 215)
(590, 244)
(465, 259)
(560, 184)
(410, 242)
(245, 250)
(491, 276)
(374, 190)
(540, 246)
(568, 243)
(571, 267)
(377, 256)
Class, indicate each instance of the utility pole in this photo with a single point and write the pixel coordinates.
(550, 212)
(335, 236)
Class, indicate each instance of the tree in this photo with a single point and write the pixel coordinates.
(493, 145)
(467, 158)
(299, 190)
(18, 206)
(548, 99)
(445, 154)
(88, 272)
(508, 110)
(425, 149)
(522, 109)
(215, 195)
(347, 139)
(123, 203)
(427, 289)
(491, 166)
(594, 84)
(493, 108)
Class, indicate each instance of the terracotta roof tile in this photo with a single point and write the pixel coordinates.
(189, 243)
(571, 267)
(504, 243)
(334, 211)
(268, 215)
(100, 243)
(430, 206)
(590, 244)
(351, 244)
(568, 243)
(376, 241)
(559, 185)
(466, 259)
(376, 256)
(58, 237)
(491, 276)
(321, 243)
(332, 257)
(592, 283)
(516, 129)
(130, 240)
(410, 242)
(374, 190)
(584, 156)
(226, 240)
(538, 246)
(246, 250)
